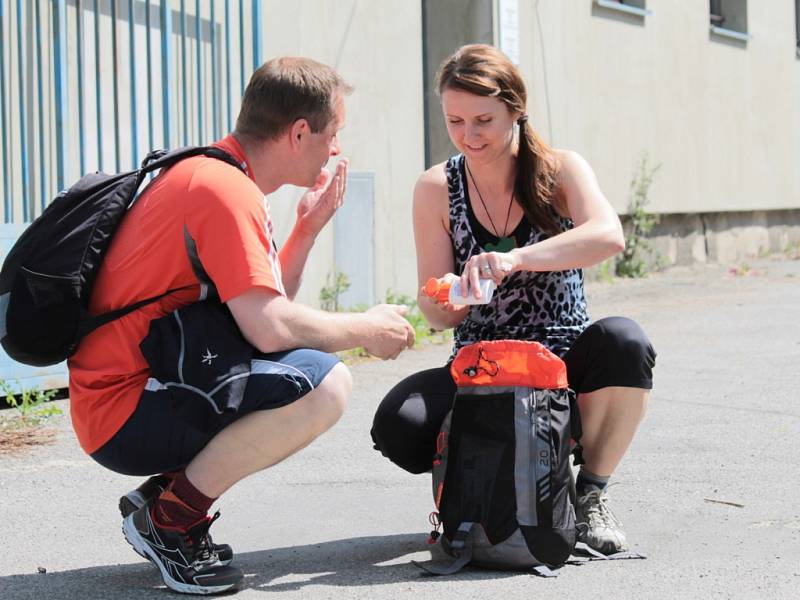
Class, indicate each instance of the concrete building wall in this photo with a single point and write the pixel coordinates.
(376, 45)
(721, 117)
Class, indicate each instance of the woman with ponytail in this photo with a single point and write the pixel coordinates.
(511, 209)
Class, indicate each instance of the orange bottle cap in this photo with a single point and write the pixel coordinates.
(432, 287)
(437, 289)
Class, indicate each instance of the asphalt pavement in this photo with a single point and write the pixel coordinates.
(708, 492)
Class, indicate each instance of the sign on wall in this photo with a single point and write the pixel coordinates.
(508, 25)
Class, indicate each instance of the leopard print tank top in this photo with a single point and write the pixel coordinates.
(546, 307)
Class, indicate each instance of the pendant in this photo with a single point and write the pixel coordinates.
(503, 245)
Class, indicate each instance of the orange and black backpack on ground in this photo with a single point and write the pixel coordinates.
(502, 481)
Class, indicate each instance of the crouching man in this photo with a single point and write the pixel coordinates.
(204, 224)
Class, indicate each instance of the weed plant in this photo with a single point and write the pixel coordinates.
(32, 405)
(639, 252)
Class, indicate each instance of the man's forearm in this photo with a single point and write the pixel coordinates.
(293, 257)
(330, 332)
(279, 324)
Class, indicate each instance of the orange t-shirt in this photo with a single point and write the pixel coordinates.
(227, 216)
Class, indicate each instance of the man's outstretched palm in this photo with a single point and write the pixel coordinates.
(320, 202)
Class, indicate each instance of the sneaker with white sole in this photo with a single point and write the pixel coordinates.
(185, 559)
(598, 527)
(150, 490)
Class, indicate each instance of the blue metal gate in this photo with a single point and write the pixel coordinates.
(91, 85)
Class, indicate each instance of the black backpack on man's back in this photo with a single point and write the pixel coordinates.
(47, 278)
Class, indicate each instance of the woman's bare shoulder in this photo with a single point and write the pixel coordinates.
(435, 177)
(569, 167)
(568, 163)
(431, 188)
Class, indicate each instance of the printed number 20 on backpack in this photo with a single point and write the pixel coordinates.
(501, 476)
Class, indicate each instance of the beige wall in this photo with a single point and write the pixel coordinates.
(722, 118)
(376, 46)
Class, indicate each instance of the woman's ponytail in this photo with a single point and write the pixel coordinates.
(535, 182)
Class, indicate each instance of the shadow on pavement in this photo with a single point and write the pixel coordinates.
(353, 562)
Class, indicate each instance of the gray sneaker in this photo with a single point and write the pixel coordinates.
(598, 527)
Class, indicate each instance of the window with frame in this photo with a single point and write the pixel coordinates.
(728, 18)
(635, 3)
(634, 7)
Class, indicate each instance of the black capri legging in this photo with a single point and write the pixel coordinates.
(610, 352)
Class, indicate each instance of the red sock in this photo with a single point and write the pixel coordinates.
(181, 505)
(164, 479)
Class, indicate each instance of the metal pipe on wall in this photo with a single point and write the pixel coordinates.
(185, 94)
(166, 71)
(81, 125)
(149, 52)
(115, 83)
(228, 60)
(61, 92)
(97, 87)
(198, 32)
(23, 130)
(42, 171)
(212, 23)
(8, 210)
(132, 52)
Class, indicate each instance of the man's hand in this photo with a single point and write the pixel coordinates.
(390, 332)
(320, 202)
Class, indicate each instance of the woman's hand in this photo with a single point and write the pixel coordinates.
(487, 265)
(448, 307)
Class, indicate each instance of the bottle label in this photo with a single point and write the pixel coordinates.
(487, 287)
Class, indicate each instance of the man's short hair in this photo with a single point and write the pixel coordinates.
(284, 90)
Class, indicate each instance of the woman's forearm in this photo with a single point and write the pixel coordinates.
(577, 248)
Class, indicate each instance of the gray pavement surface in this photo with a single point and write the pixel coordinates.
(339, 521)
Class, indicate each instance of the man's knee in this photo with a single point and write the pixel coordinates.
(331, 396)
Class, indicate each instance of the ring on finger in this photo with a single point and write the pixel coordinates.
(486, 269)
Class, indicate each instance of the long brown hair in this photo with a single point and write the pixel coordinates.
(485, 71)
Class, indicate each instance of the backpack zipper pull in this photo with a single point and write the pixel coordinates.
(434, 520)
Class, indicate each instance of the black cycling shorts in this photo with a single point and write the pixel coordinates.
(153, 440)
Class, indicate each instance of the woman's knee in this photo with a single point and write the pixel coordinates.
(626, 339)
(398, 432)
(408, 419)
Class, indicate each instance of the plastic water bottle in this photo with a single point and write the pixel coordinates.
(442, 291)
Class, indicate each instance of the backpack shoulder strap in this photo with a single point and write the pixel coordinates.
(576, 428)
(92, 323)
(159, 159)
(461, 546)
